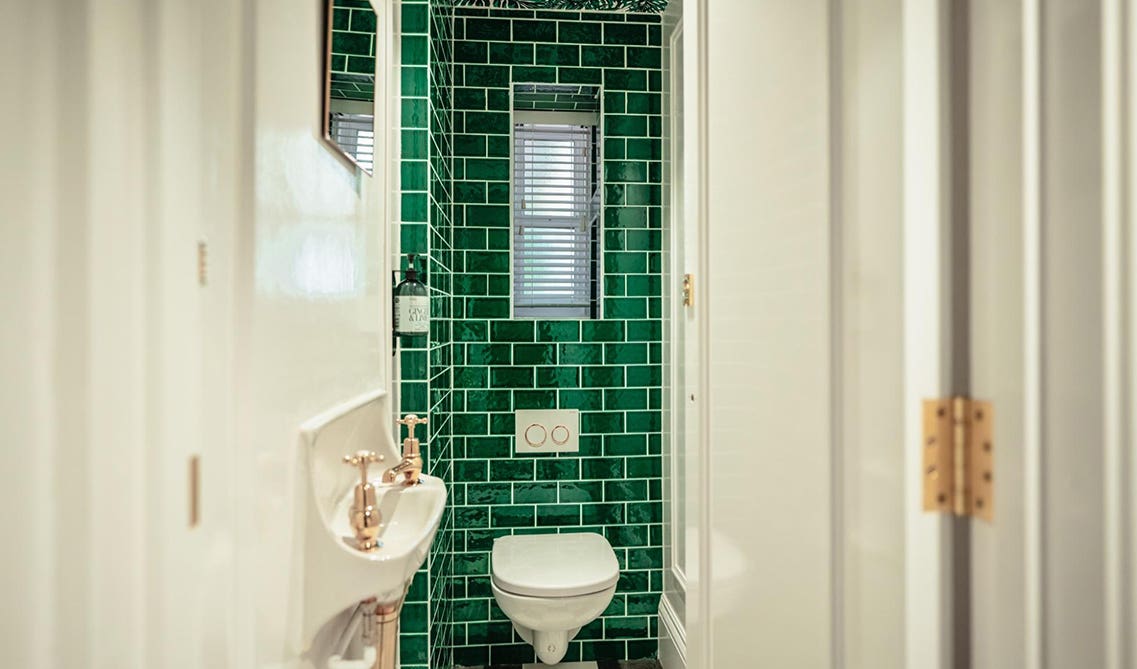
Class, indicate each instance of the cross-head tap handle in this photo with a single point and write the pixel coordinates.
(411, 420)
(363, 460)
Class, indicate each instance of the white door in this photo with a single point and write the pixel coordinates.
(1052, 332)
(802, 551)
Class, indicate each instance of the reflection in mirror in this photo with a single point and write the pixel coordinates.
(349, 80)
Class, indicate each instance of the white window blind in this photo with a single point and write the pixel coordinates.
(355, 134)
(555, 210)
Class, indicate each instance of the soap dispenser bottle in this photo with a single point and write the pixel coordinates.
(412, 304)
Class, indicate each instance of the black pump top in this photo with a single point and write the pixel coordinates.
(412, 271)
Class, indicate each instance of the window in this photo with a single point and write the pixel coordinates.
(556, 212)
(355, 135)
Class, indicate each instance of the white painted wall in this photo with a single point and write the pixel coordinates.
(311, 312)
(139, 129)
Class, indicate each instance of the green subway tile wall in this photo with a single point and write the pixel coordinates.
(426, 363)
(609, 369)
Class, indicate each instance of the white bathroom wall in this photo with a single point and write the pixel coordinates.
(188, 271)
(310, 311)
(106, 179)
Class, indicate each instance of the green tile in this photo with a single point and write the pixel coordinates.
(601, 422)
(616, 33)
(512, 331)
(601, 331)
(487, 29)
(486, 75)
(489, 400)
(602, 56)
(558, 469)
(513, 516)
(470, 98)
(488, 493)
(579, 32)
(488, 354)
(414, 49)
(534, 31)
(643, 57)
(511, 377)
(625, 80)
(537, 354)
(579, 492)
(534, 399)
(558, 377)
(558, 331)
(580, 75)
(558, 54)
(580, 399)
(471, 52)
(489, 169)
(413, 18)
(625, 217)
(512, 54)
(535, 493)
(604, 469)
(625, 399)
(558, 514)
(490, 123)
(534, 75)
(471, 331)
(625, 491)
(581, 354)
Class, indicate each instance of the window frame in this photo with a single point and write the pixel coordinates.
(557, 118)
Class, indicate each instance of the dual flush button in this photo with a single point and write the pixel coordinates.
(547, 431)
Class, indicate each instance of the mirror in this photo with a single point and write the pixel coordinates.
(349, 80)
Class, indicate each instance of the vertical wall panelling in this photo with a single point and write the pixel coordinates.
(426, 175)
(609, 369)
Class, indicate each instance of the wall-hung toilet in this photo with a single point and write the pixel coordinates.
(551, 585)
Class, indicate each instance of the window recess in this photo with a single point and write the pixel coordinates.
(556, 214)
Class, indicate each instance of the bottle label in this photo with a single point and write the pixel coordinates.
(412, 314)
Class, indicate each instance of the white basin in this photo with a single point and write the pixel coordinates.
(409, 520)
(337, 575)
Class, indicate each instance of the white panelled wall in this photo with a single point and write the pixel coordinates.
(139, 132)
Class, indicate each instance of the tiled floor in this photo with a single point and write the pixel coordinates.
(601, 664)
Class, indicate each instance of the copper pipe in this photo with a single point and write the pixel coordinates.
(387, 634)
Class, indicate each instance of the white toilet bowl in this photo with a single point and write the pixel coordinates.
(551, 585)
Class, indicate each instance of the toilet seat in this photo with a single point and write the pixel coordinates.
(554, 565)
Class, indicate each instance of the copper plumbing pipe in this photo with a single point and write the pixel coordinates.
(387, 634)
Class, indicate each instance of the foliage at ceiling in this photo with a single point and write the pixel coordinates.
(625, 5)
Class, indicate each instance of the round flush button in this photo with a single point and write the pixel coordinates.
(560, 435)
(536, 435)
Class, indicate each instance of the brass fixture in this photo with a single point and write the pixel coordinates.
(532, 441)
(410, 468)
(386, 634)
(194, 491)
(364, 514)
(959, 459)
(688, 290)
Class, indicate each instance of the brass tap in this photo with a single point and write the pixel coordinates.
(364, 514)
(410, 468)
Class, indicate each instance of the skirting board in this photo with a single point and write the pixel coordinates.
(672, 637)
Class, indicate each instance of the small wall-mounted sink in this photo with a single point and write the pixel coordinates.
(410, 517)
(337, 574)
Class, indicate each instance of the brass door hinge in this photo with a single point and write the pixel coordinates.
(959, 458)
(688, 290)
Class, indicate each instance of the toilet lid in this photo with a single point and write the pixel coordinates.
(554, 565)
